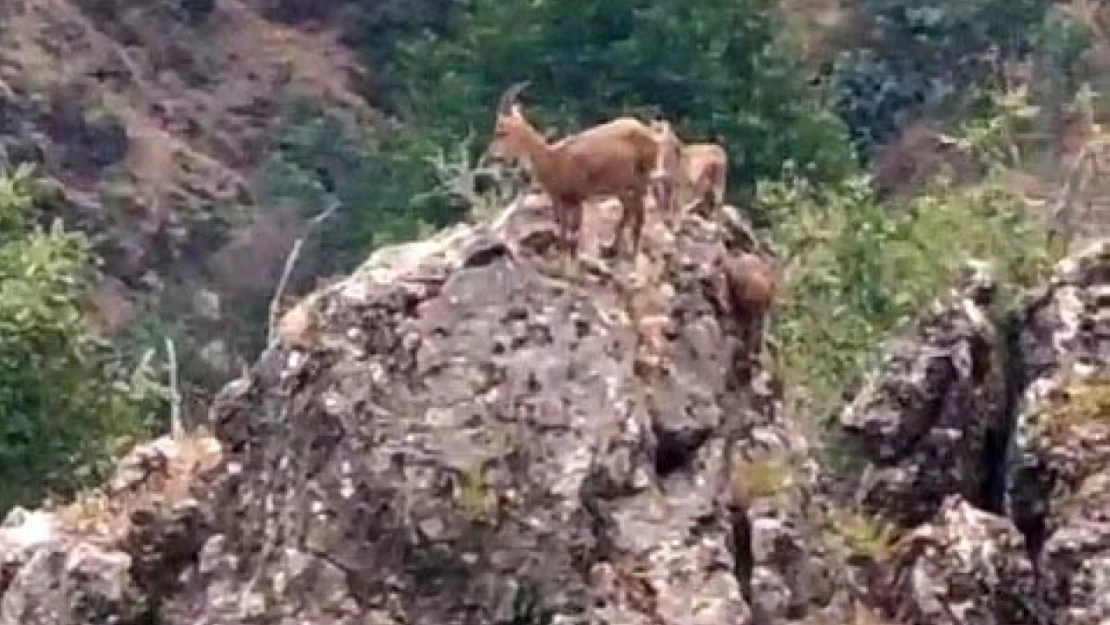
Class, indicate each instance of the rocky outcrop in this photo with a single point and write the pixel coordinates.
(1059, 481)
(468, 430)
(109, 557)
(997, 477)
(928, 419)
(470, 438)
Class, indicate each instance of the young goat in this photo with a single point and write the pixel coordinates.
(668, 178)
(752, 287)
(697, 169)
(613, 159)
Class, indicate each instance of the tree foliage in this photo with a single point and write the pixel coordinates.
(718, 68)
(931, 53)
(67, 403)
(860, 271)
(383, 183)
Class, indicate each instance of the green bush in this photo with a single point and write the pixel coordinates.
(67, 403)
(383, 184)
(380, 29)
(858, 272)
(957, 34)
(720, 68)
(723, 72)
(944, 55)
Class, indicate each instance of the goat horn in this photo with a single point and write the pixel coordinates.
(510, 95)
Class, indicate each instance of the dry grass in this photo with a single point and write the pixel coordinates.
(862, 534)
(1075, 404)
(761, 478)
(105, 518)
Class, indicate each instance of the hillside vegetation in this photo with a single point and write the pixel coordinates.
(877, 144)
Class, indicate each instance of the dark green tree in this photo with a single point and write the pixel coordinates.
(717, 67)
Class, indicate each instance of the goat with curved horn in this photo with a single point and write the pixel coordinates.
(614, 159)
(700, 169)
(510, 96)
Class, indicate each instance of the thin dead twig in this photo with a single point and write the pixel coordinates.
(290, 262)
(177, 429)
(1062, 213)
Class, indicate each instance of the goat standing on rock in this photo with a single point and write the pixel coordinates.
(700, 168)
(616, 158)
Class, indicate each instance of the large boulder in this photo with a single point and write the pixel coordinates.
(462, 431)
(470, 429)
(929, 419)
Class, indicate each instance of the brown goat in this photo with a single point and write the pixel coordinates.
(616, 158)
(695, 169)
(752, 286)
(668, 178)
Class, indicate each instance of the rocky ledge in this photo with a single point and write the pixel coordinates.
(468, 431)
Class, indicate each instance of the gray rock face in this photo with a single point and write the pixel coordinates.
(466, 431)
(966, 567)
(1059, 480)
(74, 583)
(925, 419)
(470, 439)
(1021, 532)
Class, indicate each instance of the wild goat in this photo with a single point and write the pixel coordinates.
(697, 169)
(751, 282)
(613, 159)
(752, 286)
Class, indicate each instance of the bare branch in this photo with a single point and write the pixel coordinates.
(177, 428)
(290, 262)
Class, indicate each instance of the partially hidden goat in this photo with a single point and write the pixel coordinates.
(694, 170)
(752, 287)
(751, 282)
(616, 158)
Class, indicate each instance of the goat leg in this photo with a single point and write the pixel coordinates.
(622, 224)
(665, 201)
(612, 249)
(559, 209)
(568, 229)
(637, 223)
(632, 219)
(574, 217)
(718, 197)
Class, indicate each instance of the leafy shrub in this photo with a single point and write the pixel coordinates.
(874, 95)
(941, 54)
(859, 271)
(1061, 40)
(382, 183)
(67, 403)
(445, 70)
(380, 30)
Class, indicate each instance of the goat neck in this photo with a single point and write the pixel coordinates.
(539, 152)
